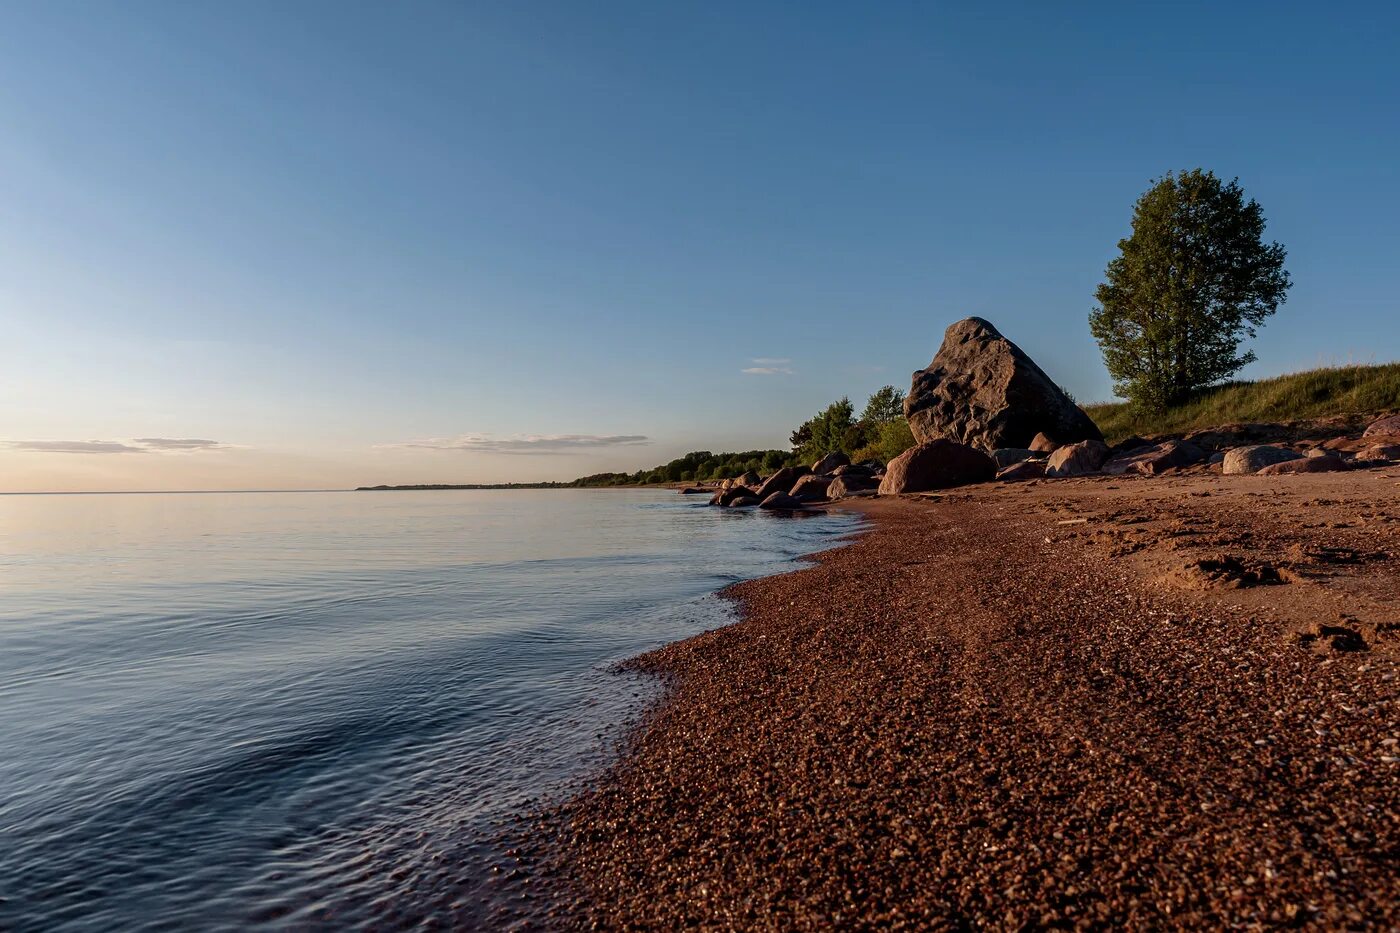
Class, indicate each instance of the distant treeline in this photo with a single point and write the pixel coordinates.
(696, 466)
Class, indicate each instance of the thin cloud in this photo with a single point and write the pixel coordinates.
(77, 447)
(528, 443)
(768, 366)
(138, 445)
(178, 443)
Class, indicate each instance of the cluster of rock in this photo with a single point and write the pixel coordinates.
(983, 410)
(794, 488)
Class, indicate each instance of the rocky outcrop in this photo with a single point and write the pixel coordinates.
(749, 478)
(811, 488)
(984, 391)
(1254, 458)
(781, 481)
(1042, 444)
(1077, 459)
(1388, 426)
(830, 462)
(1325, 464)
(936, 464)
(1155, 459)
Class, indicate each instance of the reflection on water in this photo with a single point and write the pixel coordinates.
(310, 709)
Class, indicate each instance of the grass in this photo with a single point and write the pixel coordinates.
(1317, 393)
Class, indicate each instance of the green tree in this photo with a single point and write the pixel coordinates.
(826, 432)
(884, 406)
(1193, 279)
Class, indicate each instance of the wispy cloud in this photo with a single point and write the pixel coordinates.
(138, 445)
(769, 366)
(178, 443)
(527, 443)
(77, 447)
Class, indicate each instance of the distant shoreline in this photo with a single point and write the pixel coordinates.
(431, 487)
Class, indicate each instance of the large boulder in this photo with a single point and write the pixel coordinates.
(781, 481)
(1383, 427)
(1381, 453)
(1254, 458)
(727, 497)
(982, 390)
(780, 501)
(748, 478)
(1327, 464)
(1077, 459)
(743, 502)
(1043, 444)
(830, 462)
(1155, 459)
(810, 488)
(849, 484)
(936, 464)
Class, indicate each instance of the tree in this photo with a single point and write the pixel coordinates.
(1193, 279)
(884, 406)
(826, 432)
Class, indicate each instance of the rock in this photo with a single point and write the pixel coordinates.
(748, 478)
(781, 481)
(1379, 452)
(1388, 426)
(695, 491)
(1325, 464)
(1006, 456)
(1317, 452)
(780, 501)
(982, 390)
(811, 488)
(1240, 435)
(1132, 442)
(727, 497)
(847, 485)
(854, 469)
(1026, 469)
(1156, 459)
(936, 464)
(830, 462)
(1253, 459)
(1077, 459)
(1216, 457)
(1041, 444)
(744, 502)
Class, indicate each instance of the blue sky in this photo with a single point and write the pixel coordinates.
(333, 237)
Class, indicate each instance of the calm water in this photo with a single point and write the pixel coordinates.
(310, 710)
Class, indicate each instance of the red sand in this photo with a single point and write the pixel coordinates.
(1083, 703)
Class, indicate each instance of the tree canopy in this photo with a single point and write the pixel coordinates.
(1191, 282)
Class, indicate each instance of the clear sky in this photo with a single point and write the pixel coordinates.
(350, 243)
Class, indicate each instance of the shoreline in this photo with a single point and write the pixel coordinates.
(1024, 704)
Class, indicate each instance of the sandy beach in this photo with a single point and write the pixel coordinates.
(1164, 701)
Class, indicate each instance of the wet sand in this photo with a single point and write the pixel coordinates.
(1155, 702)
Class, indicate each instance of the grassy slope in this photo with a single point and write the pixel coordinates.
(1316, 393)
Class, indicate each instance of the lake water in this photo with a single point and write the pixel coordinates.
(314, 710)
